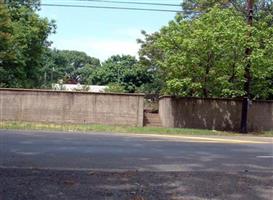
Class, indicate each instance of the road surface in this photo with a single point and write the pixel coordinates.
(55, 165)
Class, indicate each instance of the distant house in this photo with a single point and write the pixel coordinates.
(79, 87)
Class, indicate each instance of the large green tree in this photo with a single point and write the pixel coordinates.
(205, 56)
(5, 41)
(28, 35)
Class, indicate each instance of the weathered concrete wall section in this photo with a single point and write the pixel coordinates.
(261, 115)
(166, 112)
(217, 114)
(71, 107)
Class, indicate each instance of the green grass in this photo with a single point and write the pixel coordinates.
(117, 129)
(267, 133)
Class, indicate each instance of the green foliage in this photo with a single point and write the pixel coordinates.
(205, 56)
(113, 70)
(70, 66)
(5, 33)
(262, 59)
(121, 73)
(5, 41)
(121, 70)
(182, 87)
(197, 7)
(28, 41)
(194, 8)
(154, 86)
(32, 4)
(114, 87)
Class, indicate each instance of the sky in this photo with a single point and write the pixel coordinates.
(102, 33)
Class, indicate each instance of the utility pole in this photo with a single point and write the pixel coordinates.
(247, 75)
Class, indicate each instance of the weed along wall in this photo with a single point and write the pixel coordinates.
(71, 107)
(218, 114)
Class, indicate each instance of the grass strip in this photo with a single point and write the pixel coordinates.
(119, 129)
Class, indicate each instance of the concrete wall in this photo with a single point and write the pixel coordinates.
(71, 107)
(261, 115)
(217, 114)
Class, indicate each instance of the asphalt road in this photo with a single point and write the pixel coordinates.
(115, 152)
(54, 165)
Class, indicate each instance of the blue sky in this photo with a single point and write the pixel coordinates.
(100, 32)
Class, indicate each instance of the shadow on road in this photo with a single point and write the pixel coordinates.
(132, 185)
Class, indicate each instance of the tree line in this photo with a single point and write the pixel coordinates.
(26, 61)
(200, 53)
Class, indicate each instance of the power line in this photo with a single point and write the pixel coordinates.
(131, 2)
(106, 7)
(110, 7)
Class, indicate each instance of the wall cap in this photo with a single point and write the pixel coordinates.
(211, 98)
(70, 92)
